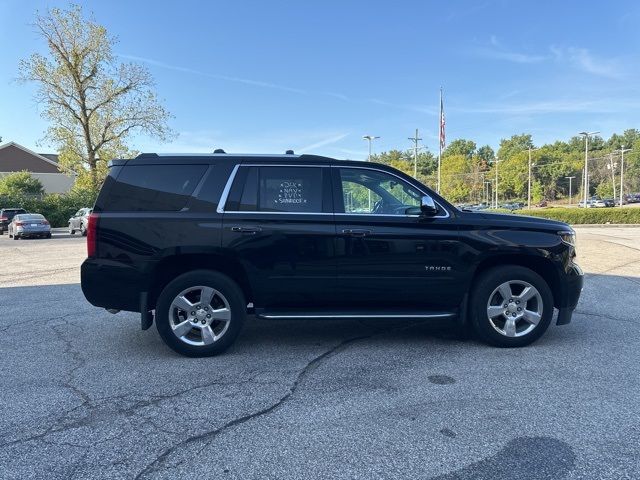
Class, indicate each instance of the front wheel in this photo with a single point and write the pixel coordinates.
(71, 230)
(511, 306)
(200, 313)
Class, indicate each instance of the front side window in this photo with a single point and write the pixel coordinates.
(280, 189)
(367, 191)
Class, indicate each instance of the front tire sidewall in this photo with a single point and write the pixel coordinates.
(216, 280)
(485, 285)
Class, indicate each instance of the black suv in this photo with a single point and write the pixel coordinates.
(198, 242)
(6, 215)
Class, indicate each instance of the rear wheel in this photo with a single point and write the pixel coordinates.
(71, 230)
(200, 313)
(83, 230)
(48, 235)
(511, 306)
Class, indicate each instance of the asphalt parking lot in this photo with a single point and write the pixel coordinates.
(86, 394)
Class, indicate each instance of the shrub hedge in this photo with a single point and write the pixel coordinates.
(577, 216)
(57, 208)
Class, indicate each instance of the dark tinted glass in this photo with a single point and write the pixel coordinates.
(160, 188)
(282, 189)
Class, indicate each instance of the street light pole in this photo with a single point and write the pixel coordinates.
(415, 141)
(495, 188)
(529, 187)
(622, 150)
(370, 138)
(570, 178)
(586, 136)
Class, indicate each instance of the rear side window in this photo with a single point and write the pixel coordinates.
(278, 189)
(158, 188)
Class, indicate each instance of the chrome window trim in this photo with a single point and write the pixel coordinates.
(227, 189)
(387, 214)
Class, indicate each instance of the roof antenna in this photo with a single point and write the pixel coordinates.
(289, 152)
(219, 150)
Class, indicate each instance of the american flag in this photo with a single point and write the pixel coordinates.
(442, 124)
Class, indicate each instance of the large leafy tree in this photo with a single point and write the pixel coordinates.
(93, 102)
(460, 146)
(20, 184)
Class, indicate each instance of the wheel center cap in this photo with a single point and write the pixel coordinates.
(201, 314)
(512, 308)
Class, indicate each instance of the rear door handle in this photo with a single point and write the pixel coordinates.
(356, 232)
(250, 230)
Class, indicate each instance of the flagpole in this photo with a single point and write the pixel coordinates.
(439, 141)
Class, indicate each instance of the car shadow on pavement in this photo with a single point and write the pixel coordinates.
(66, 303)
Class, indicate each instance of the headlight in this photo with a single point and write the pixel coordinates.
(568, 237)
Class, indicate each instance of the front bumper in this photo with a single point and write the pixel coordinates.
(574, 282)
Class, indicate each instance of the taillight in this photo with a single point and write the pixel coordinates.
(92, 235)
(19, 224)
(45, 222)
(3, 219)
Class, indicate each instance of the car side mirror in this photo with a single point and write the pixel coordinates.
(428, 206)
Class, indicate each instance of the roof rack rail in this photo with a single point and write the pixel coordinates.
(143, 155)
(219, 150)
(289, 152)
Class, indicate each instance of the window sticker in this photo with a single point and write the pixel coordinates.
(291, 192)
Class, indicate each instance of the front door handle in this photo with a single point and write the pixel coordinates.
(250, 230)
(356, 232)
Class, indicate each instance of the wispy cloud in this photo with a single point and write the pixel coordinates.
(246, 81)
(553, 107)
(497, 51)
(275, 86)
(586, 61)
(323, 143)
(579, 58)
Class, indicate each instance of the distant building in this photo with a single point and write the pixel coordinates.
(43, 166)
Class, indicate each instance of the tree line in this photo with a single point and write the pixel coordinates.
(465, 167)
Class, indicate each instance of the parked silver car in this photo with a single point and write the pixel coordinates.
(29, 225)
(79, 221)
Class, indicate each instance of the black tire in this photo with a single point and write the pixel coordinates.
(71, 230)
(48, 235)
(483, 288)
(216, 280)
(16, 237)
(83, 231)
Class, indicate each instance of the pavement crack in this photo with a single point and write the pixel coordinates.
(158, 462)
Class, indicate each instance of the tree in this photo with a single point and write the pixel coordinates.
(460, 146)
(486, 156)
(93, 102)
(514, 145)
(20, 184)
(457, 175)
(403, 161)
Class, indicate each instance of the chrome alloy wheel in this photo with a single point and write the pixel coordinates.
(199, 315)
(515, 308)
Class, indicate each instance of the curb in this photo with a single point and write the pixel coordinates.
(606, 225)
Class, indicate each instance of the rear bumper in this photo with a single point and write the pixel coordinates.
(110, 284)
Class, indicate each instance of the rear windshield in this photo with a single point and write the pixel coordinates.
(158, 188)
(29, 216)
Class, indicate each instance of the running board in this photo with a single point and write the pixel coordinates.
(274, 315)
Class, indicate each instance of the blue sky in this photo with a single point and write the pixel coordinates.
(264, 76)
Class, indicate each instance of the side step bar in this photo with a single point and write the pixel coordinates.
(344, 315)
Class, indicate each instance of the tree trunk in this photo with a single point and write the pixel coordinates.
(91, 160)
